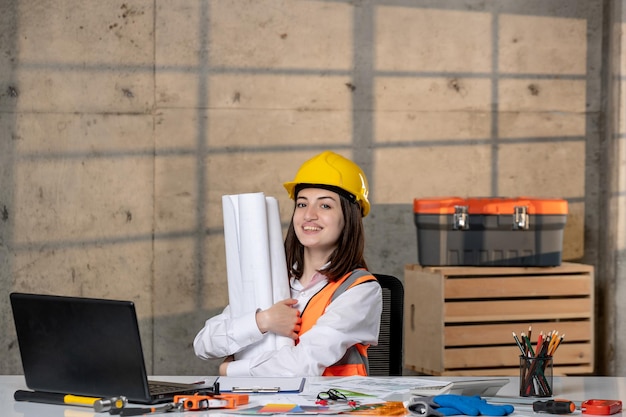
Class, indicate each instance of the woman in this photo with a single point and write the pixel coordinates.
(334, 312)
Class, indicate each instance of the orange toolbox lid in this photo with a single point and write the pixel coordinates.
(489, 205)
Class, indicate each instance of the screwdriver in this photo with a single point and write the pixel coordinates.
(554, 406)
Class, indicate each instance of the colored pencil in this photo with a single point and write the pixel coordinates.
(530, 346)
(556, 345)
(540, 340)
(519, 344)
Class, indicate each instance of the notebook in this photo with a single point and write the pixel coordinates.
(85, 346)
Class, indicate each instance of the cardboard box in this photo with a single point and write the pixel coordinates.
(520, 231)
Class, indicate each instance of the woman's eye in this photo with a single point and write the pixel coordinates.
(325, 206)
(301, 205)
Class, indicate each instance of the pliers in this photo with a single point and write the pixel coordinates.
(424, 407)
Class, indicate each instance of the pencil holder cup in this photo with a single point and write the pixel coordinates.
(535, 376)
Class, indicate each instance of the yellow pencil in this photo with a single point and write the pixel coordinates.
(557, 344)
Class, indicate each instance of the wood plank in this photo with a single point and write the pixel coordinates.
(510, 371)
(514, 372)
(518, 310)
(423, 319)
(564, 268)
(498, 334)
(487, 357)
(518, 286)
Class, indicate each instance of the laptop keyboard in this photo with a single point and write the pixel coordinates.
(162, 387)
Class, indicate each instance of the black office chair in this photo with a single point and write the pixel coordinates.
(386, 358)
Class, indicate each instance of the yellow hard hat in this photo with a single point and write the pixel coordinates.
(331, 169)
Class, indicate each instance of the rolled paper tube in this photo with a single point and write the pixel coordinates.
(255, 260)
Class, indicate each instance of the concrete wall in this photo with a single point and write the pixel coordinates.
(614, 291)
(123, 123)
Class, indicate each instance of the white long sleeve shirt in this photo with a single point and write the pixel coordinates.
(353, 317)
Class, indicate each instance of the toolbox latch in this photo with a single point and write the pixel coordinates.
(520, 218)
(461, 218)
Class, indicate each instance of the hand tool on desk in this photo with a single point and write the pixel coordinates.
(194, 402)
(99, 404)
(524, 403)
(601, 407)
(138, 411)
(556, 406)
(200, 401)
(422, 408)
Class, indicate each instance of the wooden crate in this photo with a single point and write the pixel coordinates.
(459, 320)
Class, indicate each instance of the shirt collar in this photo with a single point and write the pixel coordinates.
(317, 277)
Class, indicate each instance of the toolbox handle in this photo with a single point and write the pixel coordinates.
(461, 218)
(521, 219)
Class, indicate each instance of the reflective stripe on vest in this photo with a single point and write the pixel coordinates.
(354, 362)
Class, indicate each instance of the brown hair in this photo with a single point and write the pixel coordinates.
(347, 256)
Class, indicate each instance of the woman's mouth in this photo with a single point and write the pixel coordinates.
(311, 228)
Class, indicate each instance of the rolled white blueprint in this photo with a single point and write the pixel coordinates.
(278, 262)
(254, 248)
(255, 261)
(242, 295)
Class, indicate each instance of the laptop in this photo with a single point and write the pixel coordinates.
(86, 346)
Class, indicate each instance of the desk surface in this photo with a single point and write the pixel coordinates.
(572, 388)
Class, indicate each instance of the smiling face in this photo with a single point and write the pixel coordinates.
(318, 219)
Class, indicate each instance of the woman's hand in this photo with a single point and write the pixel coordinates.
(224, 365)
(281, 318)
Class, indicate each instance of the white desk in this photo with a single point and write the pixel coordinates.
(571, 388)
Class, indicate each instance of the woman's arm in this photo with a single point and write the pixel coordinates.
(354, 317)
(223, 335)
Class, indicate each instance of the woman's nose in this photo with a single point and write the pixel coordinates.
(310, 213)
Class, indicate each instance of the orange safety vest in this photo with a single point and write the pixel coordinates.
(354, 362)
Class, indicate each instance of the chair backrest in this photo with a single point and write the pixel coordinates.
(386, 359)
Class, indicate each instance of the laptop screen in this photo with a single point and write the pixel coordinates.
(81, 346)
